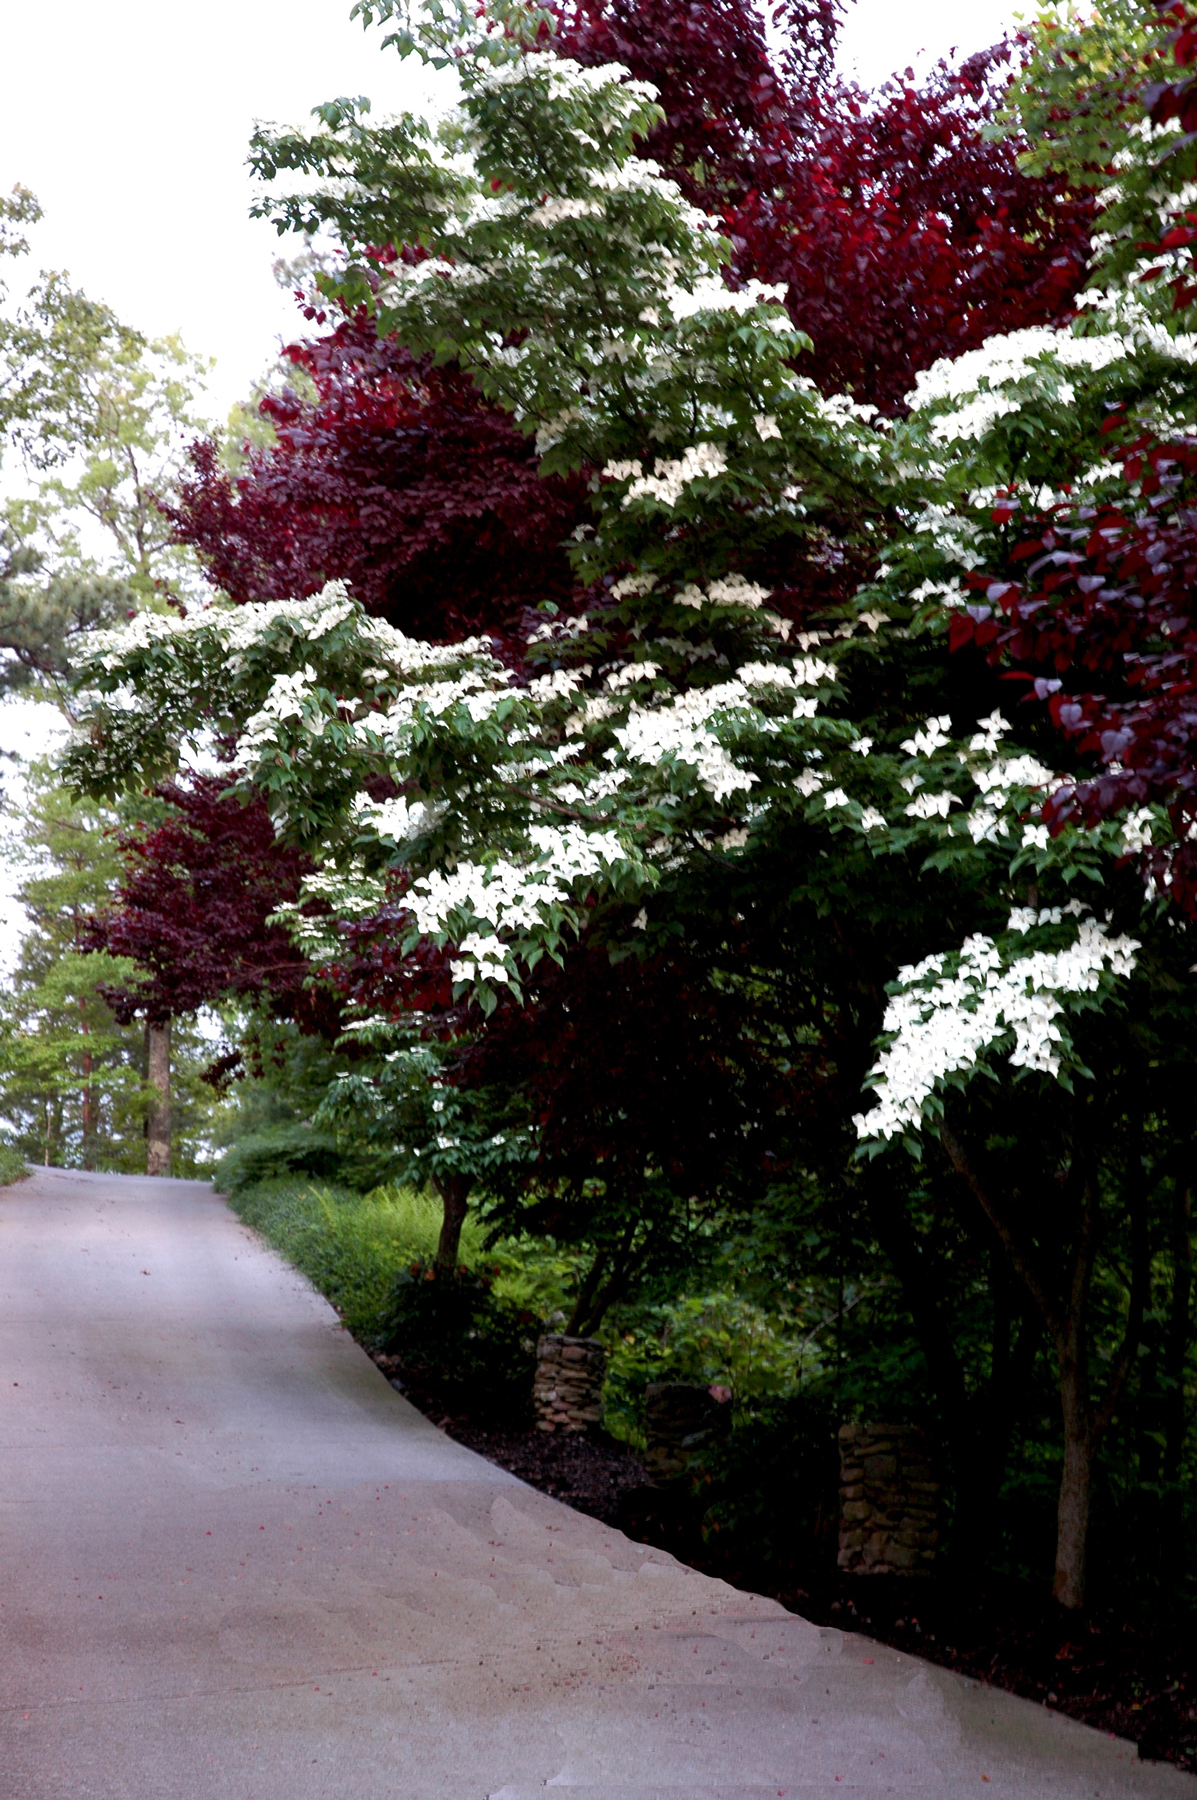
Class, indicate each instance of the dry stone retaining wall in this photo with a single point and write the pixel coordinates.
(567, 1392)
(889, 1501)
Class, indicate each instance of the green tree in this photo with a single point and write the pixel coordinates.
(141, 415)
(48, 341)
(74, 1088)
(100, 417)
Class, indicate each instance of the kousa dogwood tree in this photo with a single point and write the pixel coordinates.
(755, 716)
(398, 477)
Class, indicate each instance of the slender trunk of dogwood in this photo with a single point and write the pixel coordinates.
(1068, 1326)
(616, 1271)
(586, 1293)
(1076, 1480)
(1178, 1331)
(1081, 1428)
(454, 1191)
(157, 1137)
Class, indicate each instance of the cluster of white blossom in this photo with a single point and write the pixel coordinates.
(996, 380)
(931, 806)
(727, 590)
(978, 416)
(681, 730)
(554, 211)
(235, 629)
(1137, 830)
(481, 906)
(682, 727)
(949, 1010)
(672, 475)
(564, 79)
(1010, 358)
(711, 294)
(932, 737)
(399, 820)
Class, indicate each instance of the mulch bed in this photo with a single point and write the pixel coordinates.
(593, 1474)
(1132, 1678)
(1135, 1679)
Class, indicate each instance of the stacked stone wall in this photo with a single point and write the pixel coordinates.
(889, 1501)
(567, 1393)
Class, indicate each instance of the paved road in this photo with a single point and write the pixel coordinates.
(235, 1565)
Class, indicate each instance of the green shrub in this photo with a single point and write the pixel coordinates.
(334, 1236)
(278, 1151)
(718, 1336)
(454, 1336)
(411, 1219)
(13, 1166)
(770, 1492)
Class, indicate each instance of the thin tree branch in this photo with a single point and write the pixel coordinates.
(1020, 1256)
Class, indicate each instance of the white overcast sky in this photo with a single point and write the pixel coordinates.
(129, 119)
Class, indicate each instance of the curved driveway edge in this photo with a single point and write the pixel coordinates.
(235, 1565)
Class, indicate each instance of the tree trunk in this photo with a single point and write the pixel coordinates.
(1177, 1344)
(454, 1191)
(1076, 1482)
(1067, 1325)
(157, 1137)
(616, 1270)
(89, 1124)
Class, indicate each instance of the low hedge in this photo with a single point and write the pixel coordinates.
(13, 1166)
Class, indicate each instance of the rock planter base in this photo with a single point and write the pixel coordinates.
(567, 1394)
(889, 1501)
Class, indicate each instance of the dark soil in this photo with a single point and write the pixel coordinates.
(591, 1473)
(1133, 1678)
(1136, 1679)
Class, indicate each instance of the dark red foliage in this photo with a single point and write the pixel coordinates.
(374, 973)
(192, 911)
(1177, 99)
(904, 233)
(634, 1069)
(396, 478)
(1104, 624)
(723, 96)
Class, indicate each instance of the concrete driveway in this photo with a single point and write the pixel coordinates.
(235, 1565)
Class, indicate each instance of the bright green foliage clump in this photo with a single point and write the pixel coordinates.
(346, 1243)
(278, 1152)
(354, 1246)
(13, 1166)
